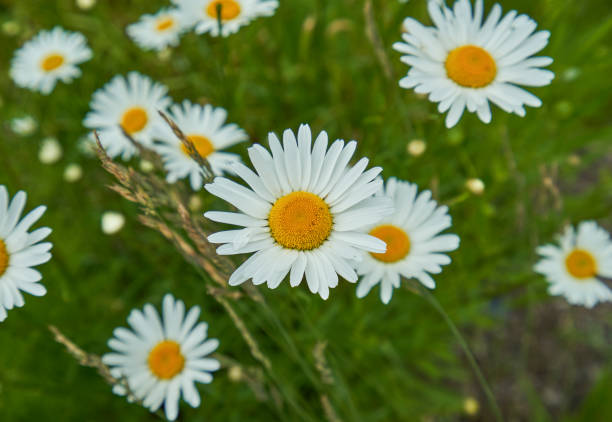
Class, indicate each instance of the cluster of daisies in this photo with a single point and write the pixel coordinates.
(303, 211)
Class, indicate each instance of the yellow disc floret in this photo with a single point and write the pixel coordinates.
(165, 360)
(52, 62)
(581, 264)
(164, 23)
(300, 220)
(201, 143)
(470, 66)
(230, 9)
(4, 258)
(398, 243)
(134, 120)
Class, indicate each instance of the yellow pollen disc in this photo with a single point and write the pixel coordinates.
(134, 120)
(398, 243)
(230, 9)
(164, 24)
(52, 62)
(165, 360)
(581, 264)
(201, 143)
(4, 258)
(300, 220)
(470, 66)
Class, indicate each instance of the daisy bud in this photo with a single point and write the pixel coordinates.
(471, 406)
(85, 4)
(195, 203)
(112, 222)
(475, 185)
(72, 173)
(416, 147)
(235, 373)
(146, 166)
(50, 151)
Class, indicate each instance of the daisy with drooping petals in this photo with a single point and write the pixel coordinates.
(158, 31)
(414, 244)
(234, 14)
(205, 127)
(575, 268)
(463, 62)
(302, 214)
(162, 358)
(127, 105)
(19, 251)
(48, 57)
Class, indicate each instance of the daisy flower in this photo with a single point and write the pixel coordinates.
(162, 357)
(48, 57)
(463, 62)
(158, 31)
(414, 244)
(205, 127)
(234, 14)
(127, 104)
(301, 214)
(19, 251)
(575, 268)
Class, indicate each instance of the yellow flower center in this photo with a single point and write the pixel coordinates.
(165, 360)
(52, 62)
(398, 243)
(300, 220)
(581, 264)
(4, 258)
(164, 23)
(470, 66)
(201, 143)
(134, 120)
(230, 9)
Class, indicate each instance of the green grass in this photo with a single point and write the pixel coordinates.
(312, 62)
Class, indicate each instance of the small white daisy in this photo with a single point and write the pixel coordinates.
(48, 57)
(131, 104)
(302, 214)
(162, 358)
(462, 62)
(234, 13)
(205, 127)
(158, 31)
(414, 245)
(19, 251)
(575, 269)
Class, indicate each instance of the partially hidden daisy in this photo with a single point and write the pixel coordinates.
(158, 31)
(234, 14)
(20, 251)
(575, 269)
(49, 57)
(415, 247)
(205, 127)
(302, 213)
(127, 104)
(161, 358)
(463, 62)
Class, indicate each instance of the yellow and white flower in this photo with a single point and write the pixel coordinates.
(301, 214)
(20, 251)
(575, 268)
(162, 358)
(49, 57)
(234, 14)
(205, 127)
(158, 31)
(463, 62)
(127, 105)
(414, 244)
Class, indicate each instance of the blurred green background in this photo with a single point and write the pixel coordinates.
(312, 62)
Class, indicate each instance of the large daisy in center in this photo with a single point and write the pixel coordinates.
(303, 213)
(462, 62)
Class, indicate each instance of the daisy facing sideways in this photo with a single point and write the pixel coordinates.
(20, 251)
(205, 127)
(575, 268)
(415, 247)
(158, 31)
(49, 57)
(161, 358)
(234, 14)
(302, 213)
(127, 104)
(462, 62)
